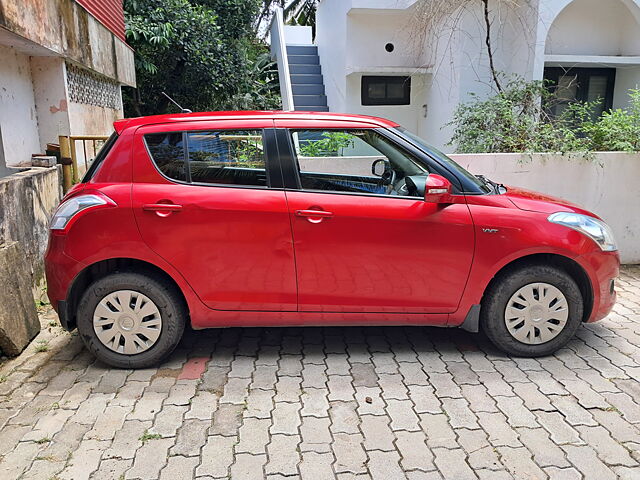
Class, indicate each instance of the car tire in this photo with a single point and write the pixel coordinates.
(509, 306)
(155, 306)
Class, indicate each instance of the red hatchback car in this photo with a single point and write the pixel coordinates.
(286, 218)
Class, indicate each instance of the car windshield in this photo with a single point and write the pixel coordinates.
(460, 172)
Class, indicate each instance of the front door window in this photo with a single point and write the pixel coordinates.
(355, 161)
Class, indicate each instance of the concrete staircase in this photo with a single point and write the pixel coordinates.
(306, 78)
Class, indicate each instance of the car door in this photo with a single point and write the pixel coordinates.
(363, 242)
(206, 200)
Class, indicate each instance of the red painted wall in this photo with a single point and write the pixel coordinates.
(107, 12)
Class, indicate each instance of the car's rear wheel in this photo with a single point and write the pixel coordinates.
(130, 320)
(532, 311)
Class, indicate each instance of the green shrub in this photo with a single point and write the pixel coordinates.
(517, 120)
(616, 130)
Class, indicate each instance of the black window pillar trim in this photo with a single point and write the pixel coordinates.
(288, 163)
(272, 157)
(185, 150)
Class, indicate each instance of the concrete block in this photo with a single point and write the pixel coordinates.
(18, 316)
(43, 161)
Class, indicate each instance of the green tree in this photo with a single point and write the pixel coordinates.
(203, 53)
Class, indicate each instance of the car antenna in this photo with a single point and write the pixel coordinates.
(182, 110)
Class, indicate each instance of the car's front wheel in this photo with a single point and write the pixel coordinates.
(130, 320)
(532, 311)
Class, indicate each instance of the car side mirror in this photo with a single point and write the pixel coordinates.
(437, 190)
(380, 167)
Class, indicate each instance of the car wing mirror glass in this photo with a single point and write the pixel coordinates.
(380, 166)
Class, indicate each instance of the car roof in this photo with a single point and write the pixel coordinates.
(127, 123)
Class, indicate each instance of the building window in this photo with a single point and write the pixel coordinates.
(386, 90)
(581, 85)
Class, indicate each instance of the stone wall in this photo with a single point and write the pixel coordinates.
(27, 201)
(605, 183)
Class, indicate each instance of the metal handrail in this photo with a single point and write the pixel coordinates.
(279, 54)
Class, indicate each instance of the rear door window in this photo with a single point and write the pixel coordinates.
(222, 157)
(227, 157)
(167, 151)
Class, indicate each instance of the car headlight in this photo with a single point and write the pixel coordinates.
(593, 228)
(69, 208)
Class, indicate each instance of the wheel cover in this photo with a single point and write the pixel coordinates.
(127, 322)
(536, 313)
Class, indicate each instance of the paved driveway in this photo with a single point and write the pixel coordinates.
(384, 403)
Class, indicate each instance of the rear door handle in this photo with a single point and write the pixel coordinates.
(161, 207)
(313, 213)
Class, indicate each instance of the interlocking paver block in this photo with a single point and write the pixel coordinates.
(286, 418)
(349, 453)
(403, 415)
(259, 404)
(607, 449)
(126, 440)
(169, 420)
(459, 413)
(545, 452)
(179, 468)
(316, 435)
(340, 388)
(316, 466)
(84, 461)
(254, 436)
(559, 430)
(519, 463)
(283, 455)
(452, 464)
(190, 438)
(344, 417)
(202, 405)
(377, 433)
(585, 459)
(414, 451)
(248, 467)
(150, 459)
(364, 375)
(217, 456)
(384, 465)
(517, 414)
(424, 399)
(438, 430)
(315, 403)
(226, 420)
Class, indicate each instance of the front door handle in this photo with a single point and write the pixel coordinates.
(314, 216)
(162, 209)
(165, 207)
(313, 213)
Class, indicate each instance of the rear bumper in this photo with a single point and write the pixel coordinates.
(602, 268)
(60, 270)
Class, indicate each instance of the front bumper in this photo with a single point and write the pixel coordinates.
(602, 268)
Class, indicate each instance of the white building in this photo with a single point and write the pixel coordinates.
(376, 57)
(62, 65)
